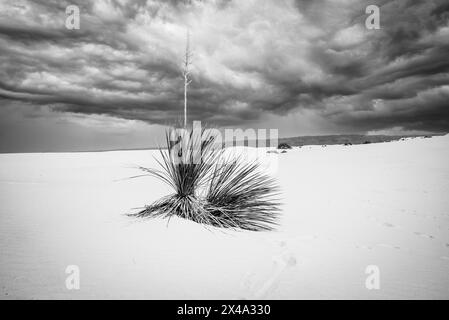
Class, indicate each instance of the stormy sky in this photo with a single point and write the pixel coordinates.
(304, 67)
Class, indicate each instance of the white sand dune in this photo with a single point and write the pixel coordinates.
(344, 208)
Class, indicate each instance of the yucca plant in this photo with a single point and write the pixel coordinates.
(210, 188)
(186, 165)
(241, 196)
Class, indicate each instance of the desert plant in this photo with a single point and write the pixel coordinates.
(211, 188)
(284, 146)
(185, 166)
(241, 196)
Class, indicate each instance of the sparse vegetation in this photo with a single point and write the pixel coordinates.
(284, 146)
(216, 190)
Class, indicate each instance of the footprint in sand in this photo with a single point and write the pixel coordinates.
(363, 247)
(389, 225)
(383, 224)
(384, 245)
(428, 236)
(285, 259)
(248, 282)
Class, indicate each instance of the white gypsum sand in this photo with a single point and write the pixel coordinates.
(345, 208)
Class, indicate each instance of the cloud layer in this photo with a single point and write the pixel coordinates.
(252, 60)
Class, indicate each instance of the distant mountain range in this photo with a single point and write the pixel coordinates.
(340, 139)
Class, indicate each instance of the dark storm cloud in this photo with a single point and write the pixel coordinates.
(251, 59)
